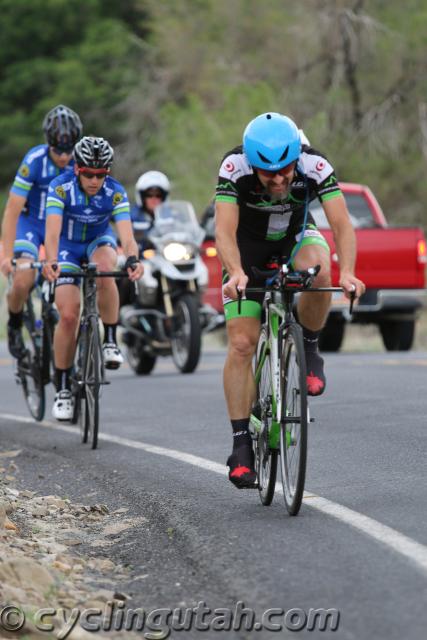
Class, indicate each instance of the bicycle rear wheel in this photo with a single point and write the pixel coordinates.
(265, 458)
(92, 378)
(293, 430)
(29, 366)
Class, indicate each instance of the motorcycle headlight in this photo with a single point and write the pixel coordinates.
(177, 252)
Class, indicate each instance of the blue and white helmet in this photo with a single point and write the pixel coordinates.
(271, 141)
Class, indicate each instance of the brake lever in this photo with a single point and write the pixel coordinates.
(352, 299)
(52, 291)
(239, 301)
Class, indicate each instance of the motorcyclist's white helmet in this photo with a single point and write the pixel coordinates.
(151, 180)
(303, 138)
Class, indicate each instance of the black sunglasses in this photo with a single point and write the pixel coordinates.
(92, 174)
(60, 150)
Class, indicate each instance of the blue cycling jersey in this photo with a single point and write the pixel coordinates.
(35, 173)
(86, 217)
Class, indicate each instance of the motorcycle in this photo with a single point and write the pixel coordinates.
(167, 317)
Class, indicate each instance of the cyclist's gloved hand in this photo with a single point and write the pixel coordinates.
(353, 287)
(6, 266)
(51, 270)
(134, 267)
(237, 282)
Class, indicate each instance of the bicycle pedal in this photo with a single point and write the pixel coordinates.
(247, 486)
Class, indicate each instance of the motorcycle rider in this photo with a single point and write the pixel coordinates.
(151, 189)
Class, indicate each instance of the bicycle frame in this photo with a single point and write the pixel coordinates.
(279, 315)
(45, 292)
(90, 309)
(89, 372)
(35, 364)
(278, 308)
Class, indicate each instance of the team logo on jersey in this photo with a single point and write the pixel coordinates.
(117, 197)
(320, 165)
(59, 190)
(229, 166)
(24, 170)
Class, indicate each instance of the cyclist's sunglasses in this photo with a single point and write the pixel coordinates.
(60, 150)
(281, 172)
(154, 194)
(99, 174)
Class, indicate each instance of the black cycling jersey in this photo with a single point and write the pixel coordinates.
(263, 217)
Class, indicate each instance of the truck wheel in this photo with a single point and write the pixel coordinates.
(398, 335)
(332, 336)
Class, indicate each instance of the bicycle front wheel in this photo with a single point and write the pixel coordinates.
(293, 429)
(92, 377)
(265, 458)
(29, 366)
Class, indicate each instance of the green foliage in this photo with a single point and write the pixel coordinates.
(197, 137)
(81, 53)
(173, 84)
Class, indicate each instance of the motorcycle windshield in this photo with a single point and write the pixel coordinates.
(176, 220)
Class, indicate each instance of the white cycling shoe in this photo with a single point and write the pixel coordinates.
(112, 355)
(63, 405)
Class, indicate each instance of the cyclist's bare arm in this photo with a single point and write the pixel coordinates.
(51, 243)
(226, 222)
(345, 242)
(130, 246)
(14, 206)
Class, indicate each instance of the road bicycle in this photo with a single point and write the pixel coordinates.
(89, 372)
(35, 367)
(279, 418)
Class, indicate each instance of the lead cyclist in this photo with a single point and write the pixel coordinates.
(261, 210)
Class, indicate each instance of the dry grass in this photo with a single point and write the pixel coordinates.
(360, 338)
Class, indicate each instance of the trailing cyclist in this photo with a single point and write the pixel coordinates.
(262, 197)
(23, 224)
(79, 209)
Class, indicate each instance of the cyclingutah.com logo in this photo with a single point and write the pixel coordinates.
(158, 624)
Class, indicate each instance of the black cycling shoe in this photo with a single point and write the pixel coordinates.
(242, 470)
(15, 342)
(316, 380)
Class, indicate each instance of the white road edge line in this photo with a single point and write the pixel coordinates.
(399, 542)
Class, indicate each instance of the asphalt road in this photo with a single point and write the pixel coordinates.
(203, 540)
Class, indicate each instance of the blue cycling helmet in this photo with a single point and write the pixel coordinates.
(271, 141)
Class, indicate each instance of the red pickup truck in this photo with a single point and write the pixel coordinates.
(391, 260)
